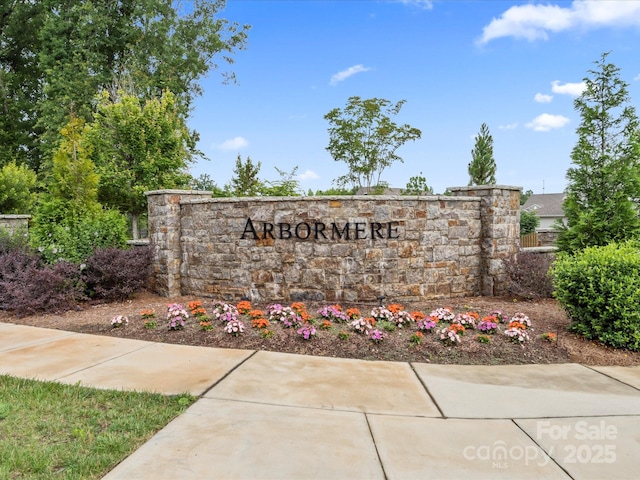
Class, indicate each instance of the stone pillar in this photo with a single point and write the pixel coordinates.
(164, 235)
(15, 223)
(500, 232)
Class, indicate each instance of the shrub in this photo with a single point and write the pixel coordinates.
(26, 288)
(528, 275)
(529, 221)
(599, 288)
(12, 262)
(114, 274)
(10, 241)
(17, 183)
(74, 239)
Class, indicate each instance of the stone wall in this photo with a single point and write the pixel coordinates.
(500, 235)
(347, 248)
(12, 223)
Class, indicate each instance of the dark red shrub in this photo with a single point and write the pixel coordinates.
(26, 288)
(529, 275)
(114, 274)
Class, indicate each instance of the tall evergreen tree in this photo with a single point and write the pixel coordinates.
(482, 168)
(245, 181)
(603, 193)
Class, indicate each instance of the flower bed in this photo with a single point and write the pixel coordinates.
(379, 324)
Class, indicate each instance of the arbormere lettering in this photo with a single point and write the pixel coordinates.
(319, 230)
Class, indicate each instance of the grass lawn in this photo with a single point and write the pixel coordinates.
(50, 430)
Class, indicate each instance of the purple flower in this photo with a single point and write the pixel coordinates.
(307, 331)
(426, 324)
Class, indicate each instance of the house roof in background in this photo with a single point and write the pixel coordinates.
(545, 204)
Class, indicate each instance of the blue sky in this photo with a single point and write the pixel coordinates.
(516, 66)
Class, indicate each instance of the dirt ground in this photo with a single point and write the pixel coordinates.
(545, 316)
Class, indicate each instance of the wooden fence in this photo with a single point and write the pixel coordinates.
(529, 240)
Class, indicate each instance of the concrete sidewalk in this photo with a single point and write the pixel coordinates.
(267, 415)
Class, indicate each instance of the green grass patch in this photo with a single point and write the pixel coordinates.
(50, 430)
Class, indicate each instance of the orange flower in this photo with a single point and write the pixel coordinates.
(194, 305)
(256, 313)
(419, 334)
(515, 324)
(395, 308)
(304, 316)
(434, 319)
(474, 315)
(259, 323)
(148, 313)
(326, 325)
(244, 307)
(298, 307)
(490, 318)
(371, 321)
(353, 313)
(456, 327)
(198, 311)
(417, 316)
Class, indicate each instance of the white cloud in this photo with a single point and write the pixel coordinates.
(510, 126)
(235, 143)
(637, 77)
(425, 4)
(574, 89)
(546, 122)
(344, 74)
(535, 22)
(308, 175)
(542, 98)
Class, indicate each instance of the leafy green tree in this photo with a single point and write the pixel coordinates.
(336, 191)
(524, 196)
(417, 185)
(74, 179)
(139, 147)
(245, 181)
(364, 136)
(529, 221)
(603, 193)
(205, 183)
(55, 55)
(482, 168)
(287, 186)
(20, 80)
(17, 185)
(69, 222)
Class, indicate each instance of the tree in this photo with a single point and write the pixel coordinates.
(287, 186)
(17, 185)
(74, 181)
(56, 55)
(482, 168)
(417, 185)
(69, 222)
(334, 191)
(529, 221)
(245, 181)
(524, 196)
(366, 139)
(20, 84)
(139, 147)
(603, 192)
